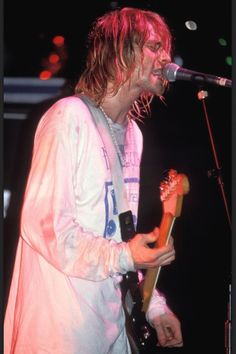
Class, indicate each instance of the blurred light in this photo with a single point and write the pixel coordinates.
(53, 58)
(191, 25)
(30, 90)
(222, 42)
(54, 68)
(6, 200)
(229, 60)
(58, 41)
(114, 4)
(45, 75)
(178, 60)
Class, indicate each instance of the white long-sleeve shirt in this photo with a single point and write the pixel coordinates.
(65, 296)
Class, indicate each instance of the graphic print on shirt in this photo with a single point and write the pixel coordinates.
(111, 209)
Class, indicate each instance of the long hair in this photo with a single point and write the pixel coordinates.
(111, 54)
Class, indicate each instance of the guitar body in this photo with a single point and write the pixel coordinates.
(141, 335)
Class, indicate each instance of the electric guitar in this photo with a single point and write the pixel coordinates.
(142, 336)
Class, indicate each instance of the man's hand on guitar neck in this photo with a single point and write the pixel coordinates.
(145, 257)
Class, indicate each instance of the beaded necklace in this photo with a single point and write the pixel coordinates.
(119, 153)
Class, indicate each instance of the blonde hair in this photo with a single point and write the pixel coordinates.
(111, 54)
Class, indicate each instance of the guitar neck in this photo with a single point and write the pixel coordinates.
(152, 274)
(136, 299)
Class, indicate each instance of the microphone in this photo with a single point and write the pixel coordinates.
(173, 72)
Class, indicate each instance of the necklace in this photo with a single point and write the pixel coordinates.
(119, 153)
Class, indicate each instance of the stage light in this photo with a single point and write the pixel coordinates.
(45, 75)
(53, 58)
(222, 42)
(178, 60)
(6, 200)
(58, 41)
(229, 60)
(191, 25)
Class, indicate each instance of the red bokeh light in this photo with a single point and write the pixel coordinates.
(54, 58)
(58, 41)
(45, 75)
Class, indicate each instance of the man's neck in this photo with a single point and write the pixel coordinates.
(117, 107)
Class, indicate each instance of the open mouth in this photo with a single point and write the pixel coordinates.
(157, 72)
(159, 75)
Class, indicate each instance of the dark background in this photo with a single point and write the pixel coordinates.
(175, 136)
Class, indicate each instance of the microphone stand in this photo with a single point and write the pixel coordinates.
(202, 95)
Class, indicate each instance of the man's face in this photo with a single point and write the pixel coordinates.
(148, 73)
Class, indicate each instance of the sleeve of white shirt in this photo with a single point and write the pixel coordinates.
(157, 305)
(48, 220)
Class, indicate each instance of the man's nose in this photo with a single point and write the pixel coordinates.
(164, 57)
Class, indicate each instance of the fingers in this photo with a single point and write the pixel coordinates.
(171, 241)
(146, 257)
(167, 338)
(151, 237)
(172, 339)
(156, 231)
(149, 258)
(161, 256)
(168, 330)
(161, 336)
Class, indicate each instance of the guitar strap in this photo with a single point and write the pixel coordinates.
(125, 215)
(127, 229)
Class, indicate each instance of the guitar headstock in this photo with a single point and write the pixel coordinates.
(172, 190)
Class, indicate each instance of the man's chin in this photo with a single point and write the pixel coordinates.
(159, 90)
